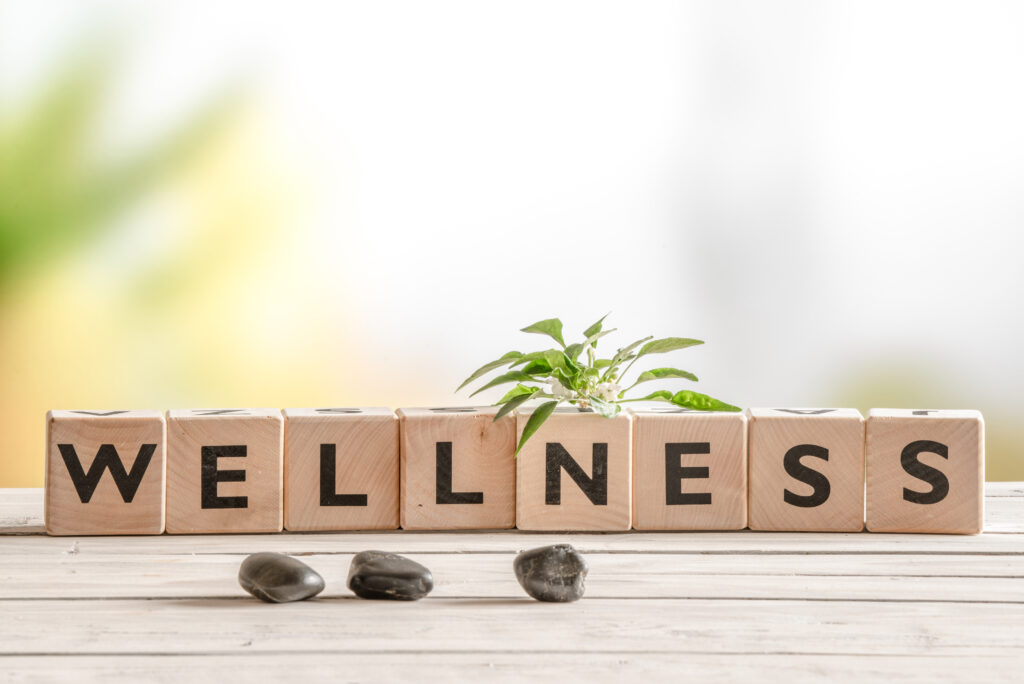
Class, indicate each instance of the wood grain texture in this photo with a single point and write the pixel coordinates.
(664, 606)
(261, 433)
(716, 500)
(584, 437)
(959, 578)
(482, 474)
(559, 663)
(363, 448)
(132, 435)
(901, 502)
(212, 625)
(780, 445)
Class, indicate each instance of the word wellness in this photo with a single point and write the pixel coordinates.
(660, 468)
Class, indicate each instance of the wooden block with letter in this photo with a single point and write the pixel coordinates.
(224, 470)
(689, 469)
(457, 468)
(925, 471)
(105, 472)
(341, 469)
(806, 470)
(574, 473)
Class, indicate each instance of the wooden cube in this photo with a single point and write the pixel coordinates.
(224, 470)
(457, 470)
(105, 472)
(575, 472)
(925, 471)
(689, 469)
(340, 469)
(806, 470)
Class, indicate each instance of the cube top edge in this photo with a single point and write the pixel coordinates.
(674, 411)
(348, 412)
(103, 413)
(223, 413)
(784, 413)
(435, 411)
(925, 414)
(571, 411)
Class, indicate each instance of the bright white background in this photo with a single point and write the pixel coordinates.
(829, 193)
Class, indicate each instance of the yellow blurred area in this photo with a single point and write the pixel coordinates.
(207, 319)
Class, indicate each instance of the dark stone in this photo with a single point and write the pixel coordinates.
(277, 578)
(552, 573)
(380, 575)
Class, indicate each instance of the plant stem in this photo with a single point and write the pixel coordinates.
(623, 374)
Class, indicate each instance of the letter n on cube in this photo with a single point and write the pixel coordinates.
(575, 472)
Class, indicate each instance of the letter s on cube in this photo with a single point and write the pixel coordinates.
(925, 471)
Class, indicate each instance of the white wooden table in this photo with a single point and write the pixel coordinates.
(665, 606)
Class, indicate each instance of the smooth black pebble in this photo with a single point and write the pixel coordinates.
(380, 575)
(552, 573)
(277, 578)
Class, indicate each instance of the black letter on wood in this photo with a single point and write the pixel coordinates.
(211, 476)
(675, 473)
(799, 471)
(595, 486)
(924, 472)
(328, 474)
(444, 493)
(106, 458)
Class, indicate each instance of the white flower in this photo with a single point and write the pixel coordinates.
(609, 391)
(559, 390)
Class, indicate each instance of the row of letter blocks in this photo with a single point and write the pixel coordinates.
(664, 468)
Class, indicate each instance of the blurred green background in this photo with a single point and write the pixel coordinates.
(250, 204)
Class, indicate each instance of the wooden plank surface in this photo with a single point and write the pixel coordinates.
(519, 625)
(664, 606)
(448, 666)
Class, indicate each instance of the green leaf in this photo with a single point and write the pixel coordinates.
(592, 340)
(573, 350)
(516, 391)
(514, 402)
(538, 367)
(596, 328)
(701, 402)
(556, 359)
(660, 395)
(532, 356)
(536, 419)
(568, 381)
(662, 373)
(667, 344)
(602, 363)
(488, 367)
(552, 327)
(608, 409)
(511, 376)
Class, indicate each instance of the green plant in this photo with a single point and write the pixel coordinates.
(593, 383)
